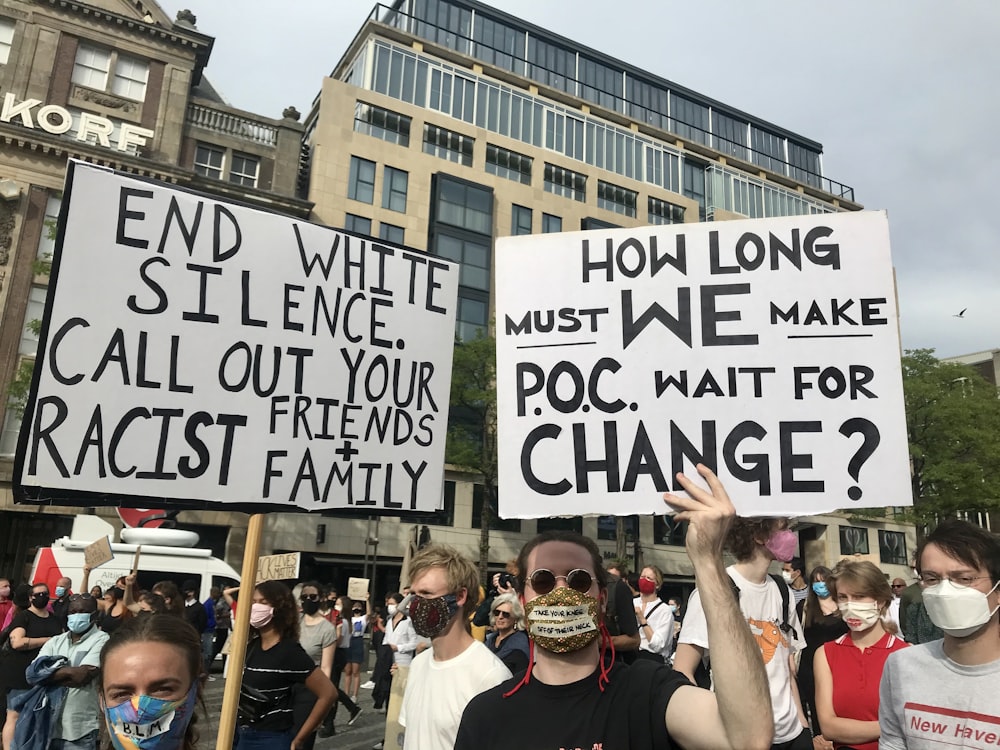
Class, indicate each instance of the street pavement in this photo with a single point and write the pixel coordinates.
(361, 735)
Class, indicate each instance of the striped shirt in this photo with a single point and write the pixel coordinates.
(275, 672)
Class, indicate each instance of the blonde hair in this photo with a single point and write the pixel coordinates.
(867, 580)
(657, 575)
(458, 569)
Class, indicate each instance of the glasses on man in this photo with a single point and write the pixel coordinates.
(899, 585)
(80, 597)
(927, 580)
(543, 580)
(309, 598)
(498, 613)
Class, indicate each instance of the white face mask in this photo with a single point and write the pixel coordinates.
(787, 576)
(391, 609)
(859, 615)
(957, 610)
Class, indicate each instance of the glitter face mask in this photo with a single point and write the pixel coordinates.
(145, 723)
(431, 616)
(562, 620)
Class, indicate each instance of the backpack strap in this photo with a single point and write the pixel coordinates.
(786, 627)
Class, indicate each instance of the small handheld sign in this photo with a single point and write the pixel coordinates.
(98, 553)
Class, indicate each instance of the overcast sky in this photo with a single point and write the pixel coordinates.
(901, 93)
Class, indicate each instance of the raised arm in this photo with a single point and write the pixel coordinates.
(737, 716)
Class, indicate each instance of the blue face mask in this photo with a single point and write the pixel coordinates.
(79, 622)
(144, 722)
(60, 592)
(821, 589)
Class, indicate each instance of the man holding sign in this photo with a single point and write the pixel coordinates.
(569, 699)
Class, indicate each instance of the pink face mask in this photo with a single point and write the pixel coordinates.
(782, 545)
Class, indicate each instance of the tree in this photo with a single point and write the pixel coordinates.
(472, 425)
(953, 427)
(20, 386)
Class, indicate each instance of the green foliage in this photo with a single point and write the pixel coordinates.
(17, 395)
(953, 427)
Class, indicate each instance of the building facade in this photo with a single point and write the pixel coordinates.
(445, 125)
(115, 83)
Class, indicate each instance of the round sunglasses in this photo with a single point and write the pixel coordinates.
(543, 580)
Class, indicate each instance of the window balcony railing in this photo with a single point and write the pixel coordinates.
(233, 125)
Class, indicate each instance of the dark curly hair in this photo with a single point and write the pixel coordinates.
(286, 613)
(747, 533)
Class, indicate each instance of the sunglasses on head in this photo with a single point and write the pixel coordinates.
(543, 581)
(501, 613)
(80, 597)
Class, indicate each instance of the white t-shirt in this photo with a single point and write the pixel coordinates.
(657, 613)
(405, 639)
(437, 693)
(761, 605)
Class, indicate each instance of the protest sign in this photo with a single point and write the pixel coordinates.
(98, 553)
(282, 567)
(357, 588)
(766, 349)
(200, 351)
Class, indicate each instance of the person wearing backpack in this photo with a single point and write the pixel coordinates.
(766, 603)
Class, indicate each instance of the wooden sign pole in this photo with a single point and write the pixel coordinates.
(241, 633)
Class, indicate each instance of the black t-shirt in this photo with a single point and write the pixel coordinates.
(12, 669)
(623, 620)
(275, 672)
(196, 615)
(628, 714)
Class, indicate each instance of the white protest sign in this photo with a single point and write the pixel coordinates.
(766, 349)
(196, 350)
(357, 588)
(280, 567)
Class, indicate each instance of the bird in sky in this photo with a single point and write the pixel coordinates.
(961, 314)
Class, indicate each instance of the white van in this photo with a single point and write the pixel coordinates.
(166, 555)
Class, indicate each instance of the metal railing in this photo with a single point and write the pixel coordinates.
(411, 24)
(236, 126)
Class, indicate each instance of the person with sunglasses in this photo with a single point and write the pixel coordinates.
(445, 677)
(898, 586)
(568, 697)
(319, 639)
(508, 639)
(75, 725)
(944, 693)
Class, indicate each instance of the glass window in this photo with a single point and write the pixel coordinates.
(565, 182)
(91, 67)
(853, 540)
(668, 531)
(688, 118)
(614, 198)
(244, 169)
(33, 312)
(6, 39)
(130, 78)
(382, 123)
(390, 233)
(551, 64)
(664, 212)
(498, 44)
(892, 547)
(209, 161)
(9, 433)
(729, 135)
(561, 524)
(361, 181)
(509, 164)
(467, 206)
(497, 523)
(768, 149)
(551, 223)
(693, 184)
(473, 314)
(359, 224)
(394, 185)
(607, 528)
(449, 145)
(474, 257)
(520, 222)
(47, 240)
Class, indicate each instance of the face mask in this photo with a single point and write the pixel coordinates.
(646, 586)
(5, 592)
(673, 608)
(431, 616)
(310, 607)
(782, 545)
(38, 601)
(260, 614)
(79, 622)
(787, 576)
(339, 608)
(60, 592)
(146, 722)
(392, 609)
(821, 589)
(562, 620)
(859, 615)
(957, 610)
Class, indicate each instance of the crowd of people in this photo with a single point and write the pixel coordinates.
(558, 652)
